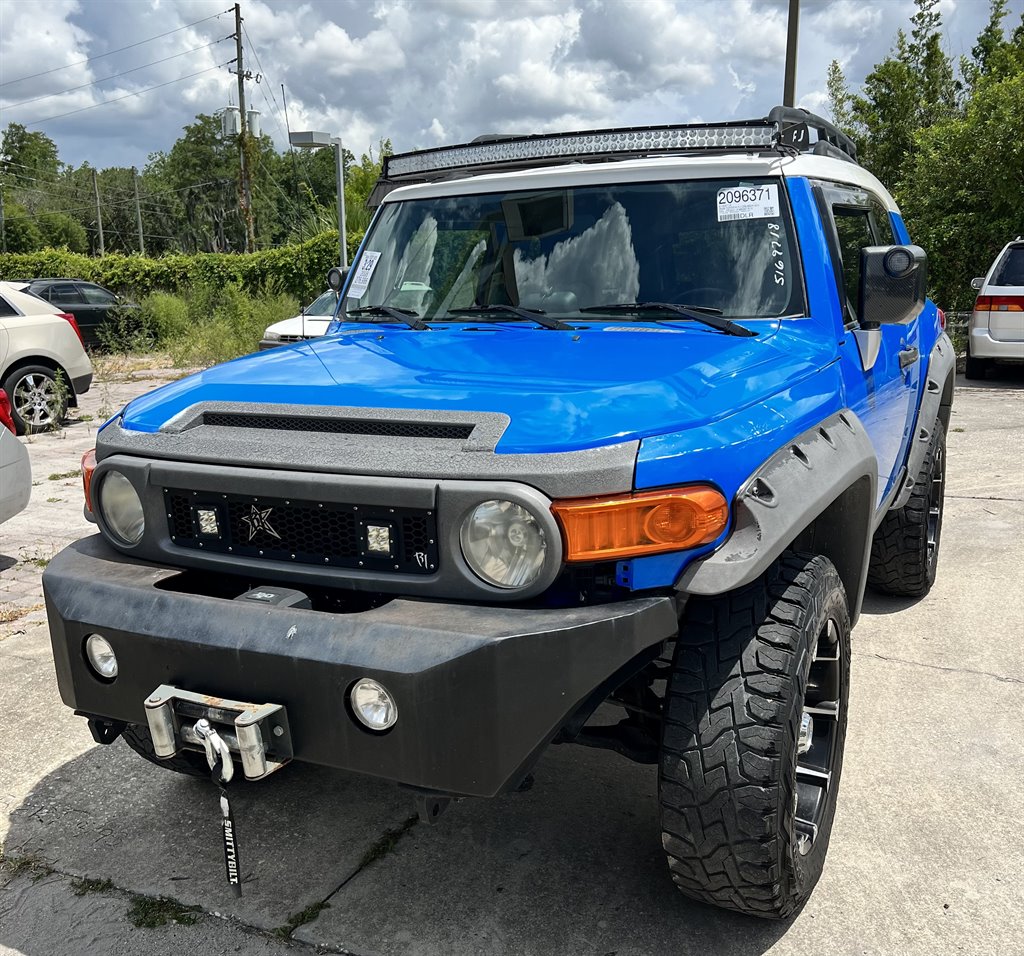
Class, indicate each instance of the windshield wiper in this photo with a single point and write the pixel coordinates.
(698, 313)
(534, 315)
(407, 316)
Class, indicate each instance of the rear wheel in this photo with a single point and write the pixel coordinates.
(905, 548)
(189, 762)
(752, 740)
(39, 398)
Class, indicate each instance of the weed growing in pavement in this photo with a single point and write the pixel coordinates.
(296, 920)
(958, 429)
(148, 912)
(28, 864)
(61, 475)
(38, 562)
(51, 501)
(62, 398)
(84, 885)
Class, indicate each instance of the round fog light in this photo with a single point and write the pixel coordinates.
(101, 656)
(373, 705)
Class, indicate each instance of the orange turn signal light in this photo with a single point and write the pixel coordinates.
(648, 522)
(88, 467)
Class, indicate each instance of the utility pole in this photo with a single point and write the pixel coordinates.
(138, 210)
(99, 214)
(789, 90)
(250, 235)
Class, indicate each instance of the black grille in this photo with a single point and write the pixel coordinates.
(341, 426)
(303, 532)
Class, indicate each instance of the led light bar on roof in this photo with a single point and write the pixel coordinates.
(644, 141)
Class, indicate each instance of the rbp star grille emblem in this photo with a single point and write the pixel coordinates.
(258, 521)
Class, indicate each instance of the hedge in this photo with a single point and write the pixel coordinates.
(299, 270)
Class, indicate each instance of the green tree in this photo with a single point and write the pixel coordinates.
(21, 234)
(26, 158)
(60, 230)
(838, 97)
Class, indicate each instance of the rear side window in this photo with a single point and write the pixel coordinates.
(6, 308)
(96, 295)
(61, 292)
(1010, 270)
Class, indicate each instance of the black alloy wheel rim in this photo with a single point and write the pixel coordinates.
(818, 743)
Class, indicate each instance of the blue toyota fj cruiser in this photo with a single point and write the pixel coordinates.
(627, 417)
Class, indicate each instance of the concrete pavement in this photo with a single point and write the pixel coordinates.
(926, 855)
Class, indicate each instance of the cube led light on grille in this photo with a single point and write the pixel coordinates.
(646, 140)
(208, 522)
(378, 538)
(650, 522)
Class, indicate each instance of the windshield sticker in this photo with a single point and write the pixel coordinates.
(361, 280)
(748, 202)
(776, 253)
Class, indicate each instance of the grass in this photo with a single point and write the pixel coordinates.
(37, 561)
(387, 842)
(148, 912)
(29, 865)
(51, 501)
(204, 326)
(61, 475)
(83, 885)
(296, 920)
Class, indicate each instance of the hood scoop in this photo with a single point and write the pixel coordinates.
(331, 425)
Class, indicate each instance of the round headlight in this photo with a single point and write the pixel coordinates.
(504, 544)
(373, 705)
(101, 656)
(120, 505)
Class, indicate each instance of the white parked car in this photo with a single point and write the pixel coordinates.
(43, 365)
(308, 324)
(15, 470)
(996, 329)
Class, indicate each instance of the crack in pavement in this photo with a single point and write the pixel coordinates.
(951, 670)
(49, 872)
(982, 498)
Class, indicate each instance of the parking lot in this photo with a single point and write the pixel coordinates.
(927, 854)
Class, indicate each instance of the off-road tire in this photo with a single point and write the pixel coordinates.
(975, 368)
(188, 762)
(732, 715)
(905, 548)
(27, 380)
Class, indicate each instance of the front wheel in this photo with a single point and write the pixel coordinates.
(752, 740)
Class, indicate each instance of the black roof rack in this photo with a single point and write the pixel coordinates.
(784, 129)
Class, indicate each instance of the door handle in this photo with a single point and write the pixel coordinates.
(909, 357)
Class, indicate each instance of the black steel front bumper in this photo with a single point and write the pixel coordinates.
(481, 690)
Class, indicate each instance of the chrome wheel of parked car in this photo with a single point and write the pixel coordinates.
(38, 399)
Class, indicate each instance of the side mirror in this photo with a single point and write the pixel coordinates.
(976, 284)
(336, 278)
(893, 284)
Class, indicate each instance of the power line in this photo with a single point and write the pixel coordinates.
(263, 73)
(114, 76)
(117, 99)
(100, 56)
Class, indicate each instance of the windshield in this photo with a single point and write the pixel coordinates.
(322, 305)
(719, 244)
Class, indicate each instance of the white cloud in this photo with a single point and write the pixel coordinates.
(423, 72)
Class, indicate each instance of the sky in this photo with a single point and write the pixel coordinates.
(426, 72)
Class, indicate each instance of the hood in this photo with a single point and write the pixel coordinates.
(563, 391)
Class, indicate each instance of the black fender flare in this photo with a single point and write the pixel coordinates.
(936, 403)
(816, 493)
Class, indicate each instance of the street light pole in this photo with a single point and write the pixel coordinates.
(339, 158)
(792, 35)
(314, 140)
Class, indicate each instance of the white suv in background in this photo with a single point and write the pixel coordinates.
(996, 329)
(43, 365)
